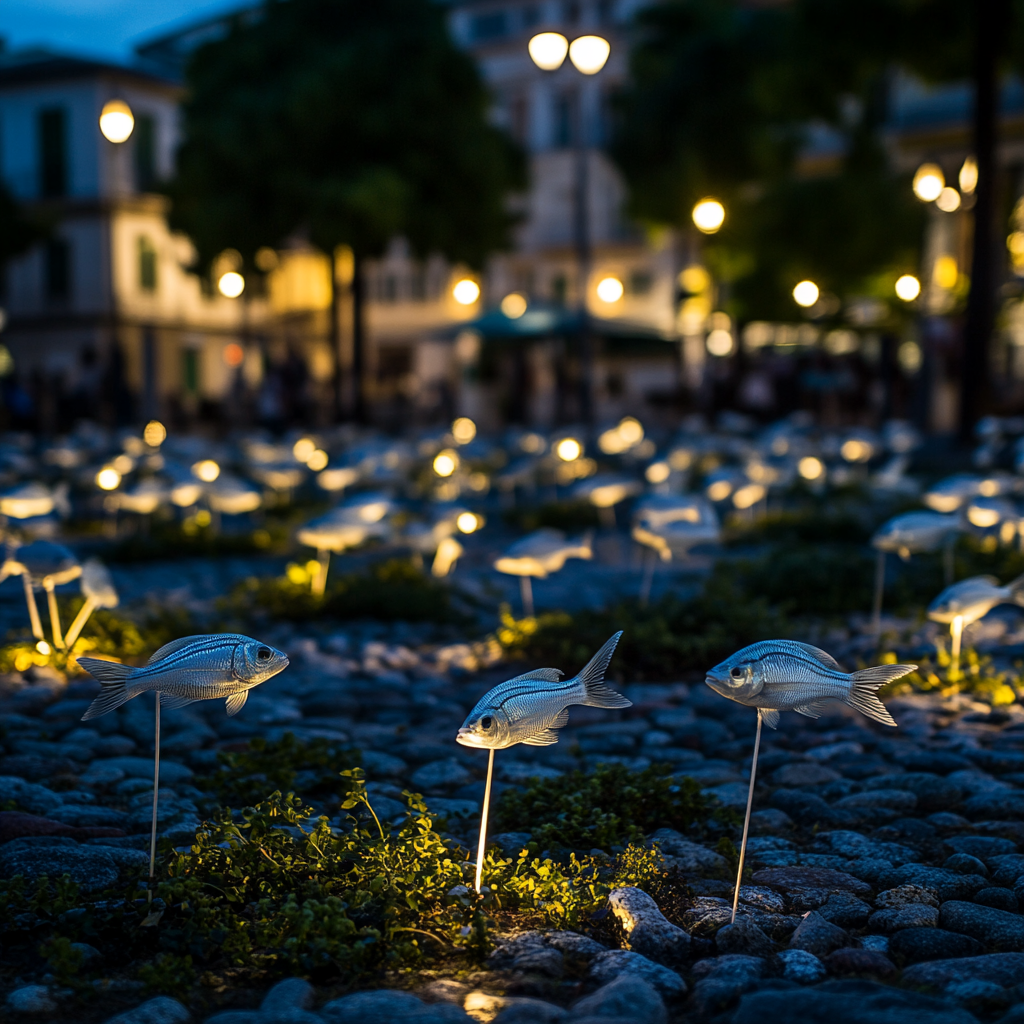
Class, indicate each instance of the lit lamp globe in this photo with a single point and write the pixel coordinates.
(466, 291)
(116, 121)
(709, 216)
(806, 294)
(908, 288)
(548, 50)
(231, 284)
(929, 181)
(589, 54)
(610, 289)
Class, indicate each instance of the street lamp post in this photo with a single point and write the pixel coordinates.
(588, 54)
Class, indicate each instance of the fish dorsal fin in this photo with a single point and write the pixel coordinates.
(818, 654)
(544, 675)
(174, 645)
(769, 716)
(236, 702)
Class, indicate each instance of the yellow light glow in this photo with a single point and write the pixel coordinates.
(108, 479)
(806, 294)
(589, 54)
(810, 468)
(631, 430)
(720, 490)
(694, 279)
(44, 648)
(658, 472)
(1007, 532)
(910, 356)
(680, 459)
(116, 121)
(983, 518)
(949, 200)
(988, 488)
(463, 430)
(203, 517)
(154, 434)
(929, 181)
(206, 470)
(855, 450)
(303, 448)
(946, 273)
(748, 495)
(318, 460)
(373, 512)
(467, 522)
(908, 288)
(568, 449)
(719, 342)
(446, 462)
(709, 215)
(1015, 243)
(548, 50)
(466, 291)
(231, 284)
(969, 176)
(611, 443)
(513, 305)
(610, 289)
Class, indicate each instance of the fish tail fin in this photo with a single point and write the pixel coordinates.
(865, 683)
(597, 693)
(113, 677)
(1016, 588)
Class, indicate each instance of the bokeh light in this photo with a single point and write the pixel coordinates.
(568, 449)
(446, 462)
(468, 522)
(709, 215)
(658, 472)
(719, 342)
(929, 181)
(548, 50)
(463, 430)
(154, 434)
(206, 470)
(949, 200)
(116, 121)
(513, 305)
(610, 289)
(908, 288)
(108, 479)
(303, 448)
(466, 291)
(318, 460)
(231, 284)
(810, 467)
(589, 54)
(806, 294)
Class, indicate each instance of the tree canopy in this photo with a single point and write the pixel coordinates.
(348, 122)
(731, 99)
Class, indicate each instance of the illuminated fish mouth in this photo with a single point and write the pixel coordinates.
(468, 738)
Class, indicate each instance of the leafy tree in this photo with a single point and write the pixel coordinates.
(347, 122)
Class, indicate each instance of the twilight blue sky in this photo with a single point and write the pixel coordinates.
(102, 28)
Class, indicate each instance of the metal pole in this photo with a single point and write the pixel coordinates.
(156, 790)
(80, 620)
(482, 845)
(583, 259)
(650, 557)
(33, 610)
(876, 611)
(956, 630)
(51, 603)
(526, 593)
(746, 820)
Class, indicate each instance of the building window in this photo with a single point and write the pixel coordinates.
(53, 153)
(485, 27)
(58, 269)
(147, 265)
(531, 16)
(145, 153)
(519, 112)
(571, 12)
(190, 370)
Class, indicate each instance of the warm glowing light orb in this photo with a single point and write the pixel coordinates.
(949, 200)
(709, 215)
(467, 522)
(116, 121)
(446, 462)
(810, 468)
(806, 294)
(155, 434)
(513, 305)
(303, 448)
(658, 472)
(548, 50)
(630, 430)
(929, 181)
(206, 470)
(463, 430)
(568, 449)
(908, 288)
(610, 289)
(108, 479)
(589, 54)
(231, 284)
(318, 460)
(968, 177)
(466, 291)
(719, 342)
(43, 647)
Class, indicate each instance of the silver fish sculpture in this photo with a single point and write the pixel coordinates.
(915, 531)
(785, 675)
(529, 708)
(193, 668)
(973, 598)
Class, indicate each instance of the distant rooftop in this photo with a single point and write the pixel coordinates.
(41, 65)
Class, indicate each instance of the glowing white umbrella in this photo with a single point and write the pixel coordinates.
(539, 554)
(670, 525)
(232, 496)
(27, 501)
(605, 491)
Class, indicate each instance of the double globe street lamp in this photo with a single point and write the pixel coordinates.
(588, 55)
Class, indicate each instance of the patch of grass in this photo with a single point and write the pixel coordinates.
(389, 590)
(570, 516)
(977, 676)
(172, 541)
(661, 642)
(607, 808)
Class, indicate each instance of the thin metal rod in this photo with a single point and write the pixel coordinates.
(320, 579)
(80, 620)
(650, 558)
(482, 845)
(746, 820)
(156, 791)
(33, 610)
(876, 609)
(51, 603)
(956, 631)
(526, 593)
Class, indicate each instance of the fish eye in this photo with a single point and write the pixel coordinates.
(263, 653)
(736, 673)
(486, 722)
